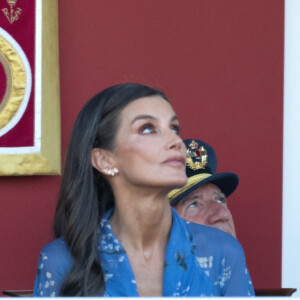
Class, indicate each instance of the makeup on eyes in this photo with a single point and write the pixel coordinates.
(153, 123)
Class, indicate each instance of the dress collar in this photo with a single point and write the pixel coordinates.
(181, 268)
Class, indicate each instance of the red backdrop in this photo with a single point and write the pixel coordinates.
(220, 63)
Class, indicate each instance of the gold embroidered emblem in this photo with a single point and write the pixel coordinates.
(193, 145)
(11, 14)
(196, 157)
(17, 82)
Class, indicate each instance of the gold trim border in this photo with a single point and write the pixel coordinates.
(48, 161)
(8, 74)
(16, 82)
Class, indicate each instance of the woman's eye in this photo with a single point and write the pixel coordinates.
(175, 129)
(147, 129)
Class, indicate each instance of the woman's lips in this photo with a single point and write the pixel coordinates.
(175, 161)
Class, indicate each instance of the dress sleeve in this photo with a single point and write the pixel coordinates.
(54, 263)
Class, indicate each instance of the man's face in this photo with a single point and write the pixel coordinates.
(207, 205)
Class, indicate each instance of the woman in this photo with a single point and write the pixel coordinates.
(116, 233)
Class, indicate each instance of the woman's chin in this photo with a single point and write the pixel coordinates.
(178, 183)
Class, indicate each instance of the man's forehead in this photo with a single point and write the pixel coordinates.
(202, 189)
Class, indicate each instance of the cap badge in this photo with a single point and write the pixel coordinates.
(196, 157)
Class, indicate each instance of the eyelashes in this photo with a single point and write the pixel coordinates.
(149, 128)
(176, 129)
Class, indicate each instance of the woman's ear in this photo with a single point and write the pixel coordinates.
(102, 160)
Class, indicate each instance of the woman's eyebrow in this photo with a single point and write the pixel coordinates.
(174, 118)
(141, 117)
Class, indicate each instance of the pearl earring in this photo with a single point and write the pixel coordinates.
(114, 171)
(111, 172)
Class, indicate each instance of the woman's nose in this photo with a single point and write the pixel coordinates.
(175, 142)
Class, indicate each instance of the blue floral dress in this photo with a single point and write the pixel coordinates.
(199, 261)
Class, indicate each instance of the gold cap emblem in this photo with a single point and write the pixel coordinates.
(196, 157)
(194, 145)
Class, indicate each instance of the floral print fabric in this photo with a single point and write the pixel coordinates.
(199, 261)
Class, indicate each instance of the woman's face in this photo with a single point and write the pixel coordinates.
(149, 151)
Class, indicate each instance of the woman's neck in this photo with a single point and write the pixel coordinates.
(143, 221)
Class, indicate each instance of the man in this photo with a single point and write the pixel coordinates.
(203, 199)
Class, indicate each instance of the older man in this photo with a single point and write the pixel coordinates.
(203, 199)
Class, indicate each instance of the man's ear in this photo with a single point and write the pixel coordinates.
(102, 160)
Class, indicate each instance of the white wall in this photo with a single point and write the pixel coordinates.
(291, 149)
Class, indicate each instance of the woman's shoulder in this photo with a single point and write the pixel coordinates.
(57, 245)
(54, 263)
(56, 253)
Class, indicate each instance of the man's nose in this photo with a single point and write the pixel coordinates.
(218, 213)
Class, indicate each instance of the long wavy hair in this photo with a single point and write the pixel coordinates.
(85, 195)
